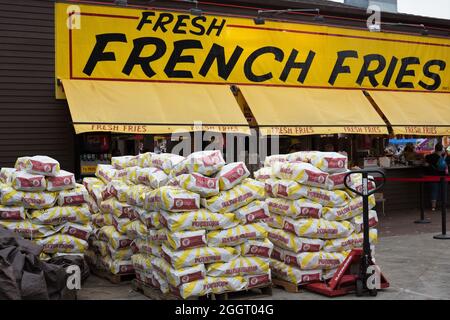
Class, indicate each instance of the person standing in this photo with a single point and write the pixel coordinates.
(437, 165)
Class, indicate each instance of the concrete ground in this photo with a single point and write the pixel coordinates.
(415, 264)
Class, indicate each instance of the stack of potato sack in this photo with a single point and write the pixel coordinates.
(216, 241)
(44, 203)
(315, 221)
(119, 191)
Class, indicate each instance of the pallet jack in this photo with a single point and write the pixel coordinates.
(352, 275)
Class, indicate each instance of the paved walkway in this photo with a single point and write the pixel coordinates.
(416, 265)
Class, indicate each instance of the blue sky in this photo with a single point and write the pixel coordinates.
(430, 8)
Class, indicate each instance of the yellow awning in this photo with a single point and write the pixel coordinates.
(415, 113)
(304, 111)
(148, 108)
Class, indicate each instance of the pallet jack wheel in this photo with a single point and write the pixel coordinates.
(359, 288)
(373, 292)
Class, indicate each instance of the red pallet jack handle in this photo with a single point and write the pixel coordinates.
(345, 280)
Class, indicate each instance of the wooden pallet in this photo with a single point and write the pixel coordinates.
(113, 278)
(156, 294)
(287, 286)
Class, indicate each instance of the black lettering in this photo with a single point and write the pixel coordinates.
(177, 57)
(144, 62)
(339, 67)
(180, 23)
(291, 64)
(390, 72)
(278, 53)
(144, 19)
(98, 53)
(163, 19)
(224, 68)
(405, 72)
(199, 26)
(365, 72)
(213, 26)
(432, 75)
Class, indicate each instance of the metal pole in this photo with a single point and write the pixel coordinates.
(444, 235)
(422, 219)
(366, 241)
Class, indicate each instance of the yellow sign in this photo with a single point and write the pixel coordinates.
(88, 169)
(124, 44)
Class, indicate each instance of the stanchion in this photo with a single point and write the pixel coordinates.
(444, 235)
(422, 219)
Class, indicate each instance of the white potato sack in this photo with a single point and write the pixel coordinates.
(114, 238)
(263, 174)
(182, 240)
(328, 273)
(195, 182)
(59, 215)
(64, 180)
(335, 181)
(135, 229)
(327, 198)
(237, 235)
(172, 199)
(121, 224)
(117, 266)
(115, 188)
(318, 228)
(144, 246)
(289, 241)
(209, 285)
(128, 175)
(275, 221)
(12, 213)
(123, 162)
(294, 275)
(142, 263)
(21, 163)
(106, 172)
(150, 218)
(358, 221)
(256, 248)
(232, 174)
(177, 277)
(121, 254)
(157, 236)
(117, 208)
(29, 200)
(357, 184)
(135, 195)
(6, 175)
(235, 198)
(270, 160)
(352, 209)
(303, 173)
(144, 159)
(240, 266)
(257, 280)
(355, 240)
(269, 187)
(160, 282)
(165, 161)
(77, 230)
(74, 197)
(301, 208)
(29, 230)
(24, 181)
(101, 220)
(300, 156)
(62, 243)
(201, 219)
(330, 162)
(205, 162)
(93, 205)
(90, 182)
(314, 260)
(253, 212)
(287, 189)
(277, 254)
(152, 177)
(42, 165)
(192, 257)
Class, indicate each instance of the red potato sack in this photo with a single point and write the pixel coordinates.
(24, 181)
(62, 181)
(12, 213)
(42, 165)
(77, 230)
